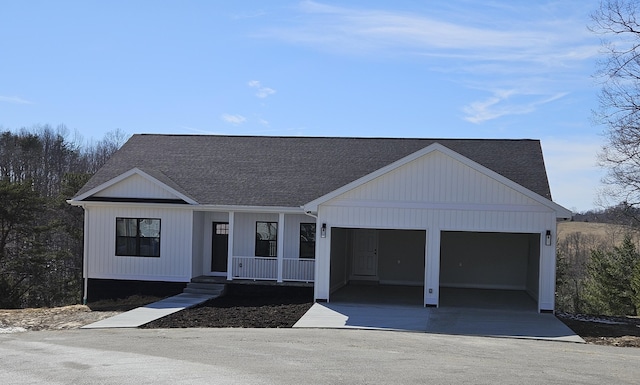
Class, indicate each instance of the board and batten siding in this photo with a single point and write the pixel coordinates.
(244, 239)
(174, 263)
(437, 193)
(138, 187)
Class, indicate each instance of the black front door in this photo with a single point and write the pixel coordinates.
(219, 247)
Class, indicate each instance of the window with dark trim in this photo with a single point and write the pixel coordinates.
(266, 239)
(138, 237)
(308, 240)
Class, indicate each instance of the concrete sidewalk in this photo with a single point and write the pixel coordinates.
(456, 321)
(151, 312)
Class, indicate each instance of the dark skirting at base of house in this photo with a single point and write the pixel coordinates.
(114, 288)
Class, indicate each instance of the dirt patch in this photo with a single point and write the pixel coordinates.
(66, 317)
(58, 318)
(604, 330)
(244, 306)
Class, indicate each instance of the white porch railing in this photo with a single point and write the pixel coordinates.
(266, 268)
(298, 269)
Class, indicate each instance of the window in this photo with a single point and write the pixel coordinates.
(222, 228)
(138, 237)
(266, 239)
(308, 240)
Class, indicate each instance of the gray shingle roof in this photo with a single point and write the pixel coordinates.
(291, 171)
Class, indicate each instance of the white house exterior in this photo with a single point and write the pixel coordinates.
(411, 212)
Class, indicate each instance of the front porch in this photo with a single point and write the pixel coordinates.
(248, 246)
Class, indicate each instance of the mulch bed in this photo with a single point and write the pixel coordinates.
(604, 330)
(244, 306)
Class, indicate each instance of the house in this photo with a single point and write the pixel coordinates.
(434, 213)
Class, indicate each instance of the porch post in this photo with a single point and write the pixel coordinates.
(230, 248)
(280, 245)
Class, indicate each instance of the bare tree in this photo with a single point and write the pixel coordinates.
(619, 99)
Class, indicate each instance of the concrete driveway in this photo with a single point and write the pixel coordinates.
(302, 356)
(445, 320)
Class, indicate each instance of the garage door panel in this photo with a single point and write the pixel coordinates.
(485, 260)
(401, 256)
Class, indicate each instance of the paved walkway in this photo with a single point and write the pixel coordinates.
(145, 314)
(457, 321)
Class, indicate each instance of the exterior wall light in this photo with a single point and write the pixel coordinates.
(547, 238)
(323, 231)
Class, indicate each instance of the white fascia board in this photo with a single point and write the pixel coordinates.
(251, 209)
(123, 176)
(146, 205)
(560, 211)
(196, 207)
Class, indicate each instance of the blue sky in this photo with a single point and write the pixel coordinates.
(454, 69)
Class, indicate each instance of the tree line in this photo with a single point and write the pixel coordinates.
(594, 274)
(41, 240)
(597, 274)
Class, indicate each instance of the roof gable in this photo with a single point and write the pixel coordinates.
(430, 177)
(292, 171)
(134, 184)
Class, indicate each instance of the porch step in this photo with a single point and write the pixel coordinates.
(216, 289)
(209, 279)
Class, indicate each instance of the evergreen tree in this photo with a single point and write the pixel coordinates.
(609, 284)
(635, 286)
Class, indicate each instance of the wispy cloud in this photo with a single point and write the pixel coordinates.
(14, 99)
(506, 102)
(261, 91)
(528, 46)
(233, 119)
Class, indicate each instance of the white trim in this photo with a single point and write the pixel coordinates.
(280, 246)
(134, 204)
(437, 206)
(561, 212)
(134, 171)
(85, 259)
(194, 207)
(250, 209)
(231, 221)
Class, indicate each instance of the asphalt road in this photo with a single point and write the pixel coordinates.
(303, 356)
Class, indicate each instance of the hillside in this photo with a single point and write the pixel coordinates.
(606, 231)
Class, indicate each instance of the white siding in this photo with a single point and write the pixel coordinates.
(292, 234)
(174, 263)
(435, 178)
(198, 244)
(136, 186)
(437, 193)
(245, 232)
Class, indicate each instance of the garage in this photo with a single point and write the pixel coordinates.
(456, 231)
(377, 265)
(489, 269)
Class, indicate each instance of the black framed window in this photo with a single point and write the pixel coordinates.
(266, 239)
(138, 237)
(308, 240)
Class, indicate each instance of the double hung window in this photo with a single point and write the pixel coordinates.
(266, 239)
(138, 237)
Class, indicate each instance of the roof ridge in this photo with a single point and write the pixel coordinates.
(336, 137)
